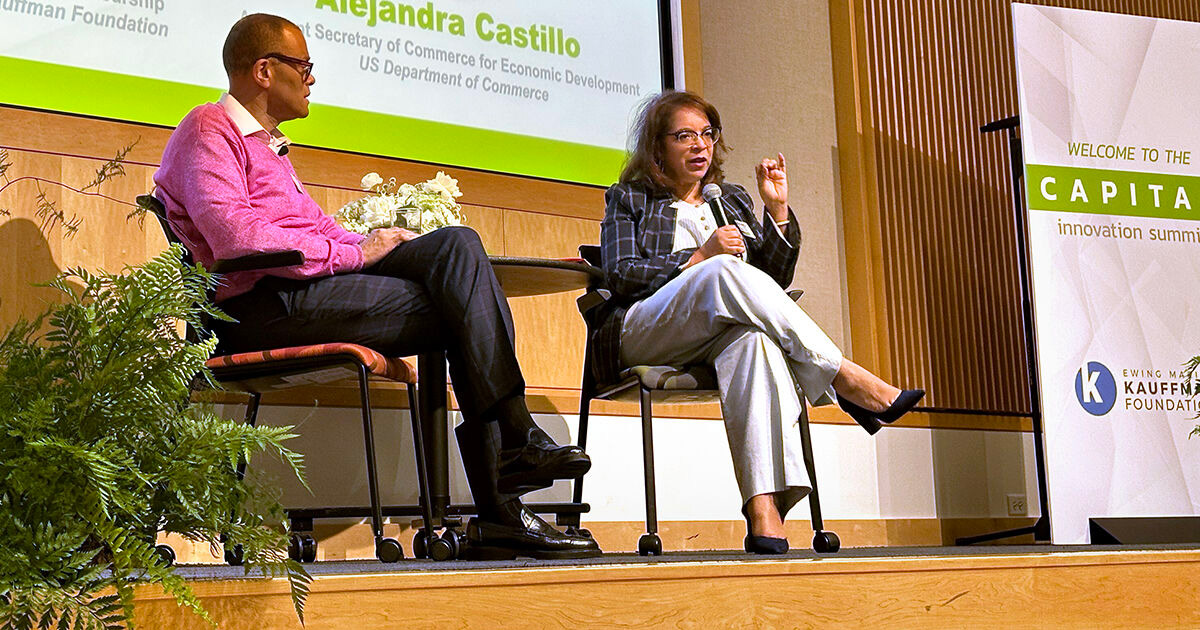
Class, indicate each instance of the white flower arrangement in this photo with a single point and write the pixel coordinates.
(422, 207)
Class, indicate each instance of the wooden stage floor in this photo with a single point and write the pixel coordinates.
(896, 587)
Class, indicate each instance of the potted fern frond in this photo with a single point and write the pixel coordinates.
(101, 449)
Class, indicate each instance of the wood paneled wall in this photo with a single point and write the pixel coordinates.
(927, 202)
(515, 216)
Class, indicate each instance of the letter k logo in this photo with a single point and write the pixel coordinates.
(1095, 388)
(1091, 393)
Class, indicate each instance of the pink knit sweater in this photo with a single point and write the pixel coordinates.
(228, 196)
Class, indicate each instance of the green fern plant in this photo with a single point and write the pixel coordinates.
(101, 448)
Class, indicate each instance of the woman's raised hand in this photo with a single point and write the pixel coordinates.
(772, 185)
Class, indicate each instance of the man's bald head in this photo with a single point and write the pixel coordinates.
(252, 38)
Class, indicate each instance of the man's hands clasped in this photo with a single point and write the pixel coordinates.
(381, 242)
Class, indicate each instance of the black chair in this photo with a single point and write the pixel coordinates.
(271, 370)
(673, 384)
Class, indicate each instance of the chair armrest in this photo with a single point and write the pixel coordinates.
(592, 300)
(254, 262)
(590, 254)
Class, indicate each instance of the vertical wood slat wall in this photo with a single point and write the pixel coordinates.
(923, 76)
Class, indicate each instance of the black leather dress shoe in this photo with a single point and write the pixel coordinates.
(531, 538)
(765, 545)
(538, 463)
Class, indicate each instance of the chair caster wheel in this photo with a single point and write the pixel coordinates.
(308, 549)
(649, 545)
(444, 548)
(826, 542)
(166, 555)
(295, 548)
(235, 556)
(457, 539)
(579, 531)
(420, 547)
(302, 548)
(388, 550)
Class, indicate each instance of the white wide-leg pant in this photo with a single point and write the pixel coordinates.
(767, 352)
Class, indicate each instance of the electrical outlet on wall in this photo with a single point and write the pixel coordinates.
(1016, 505)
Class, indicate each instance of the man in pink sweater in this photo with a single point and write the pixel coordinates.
(230, 190)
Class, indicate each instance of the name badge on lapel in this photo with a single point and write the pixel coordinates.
(745, 229)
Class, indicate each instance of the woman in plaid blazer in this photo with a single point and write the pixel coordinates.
(698, 281)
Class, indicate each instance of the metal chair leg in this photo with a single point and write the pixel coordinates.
(648, 462)
(386, 549)
(823, 541)
(251, 418)
(234, 554)
(650, 543)
(252, 408)
(585, 403)
(423, 476)
(814, 498)
(369, 444)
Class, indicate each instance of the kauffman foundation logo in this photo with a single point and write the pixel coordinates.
(1095, 388)
(1141, 390)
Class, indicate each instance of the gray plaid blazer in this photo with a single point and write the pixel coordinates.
(636, 239)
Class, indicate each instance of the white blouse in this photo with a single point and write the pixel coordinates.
(693, 224)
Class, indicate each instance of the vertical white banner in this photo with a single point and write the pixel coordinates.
(1110, 123)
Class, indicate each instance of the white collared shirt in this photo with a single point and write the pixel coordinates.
(248, 125)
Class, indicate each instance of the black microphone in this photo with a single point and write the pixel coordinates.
(712, 194)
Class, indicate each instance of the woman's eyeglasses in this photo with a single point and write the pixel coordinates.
(305, 69)
(708, 135)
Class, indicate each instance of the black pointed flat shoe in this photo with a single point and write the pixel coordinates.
(765, 545)
(902, 405)
(864, 418)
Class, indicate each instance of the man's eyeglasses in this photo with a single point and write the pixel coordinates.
(708, 135)
(305, 69)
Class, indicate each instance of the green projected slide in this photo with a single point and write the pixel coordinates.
(532, 87)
